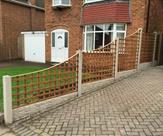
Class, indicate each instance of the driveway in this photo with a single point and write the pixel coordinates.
(131, 107)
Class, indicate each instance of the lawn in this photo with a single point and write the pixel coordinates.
(15, 71)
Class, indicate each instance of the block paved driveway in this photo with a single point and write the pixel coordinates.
(131, 107)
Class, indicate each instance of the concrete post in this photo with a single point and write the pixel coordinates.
(154, 49)
(139, 46)
(80, 61)
(7, 99)
(116, 57)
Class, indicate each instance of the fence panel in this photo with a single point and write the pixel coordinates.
(99, 64)
(128, 52)
(52, 82)
(65, 78)
(147, 47)
(96, 65)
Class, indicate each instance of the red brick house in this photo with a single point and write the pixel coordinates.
(89, 24)
(17, 16)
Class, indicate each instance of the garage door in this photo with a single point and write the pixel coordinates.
(34, 45)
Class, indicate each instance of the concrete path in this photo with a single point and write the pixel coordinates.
(131, 107)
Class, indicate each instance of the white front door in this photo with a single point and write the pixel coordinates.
(59, 48)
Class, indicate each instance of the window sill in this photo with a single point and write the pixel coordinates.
(61, 6)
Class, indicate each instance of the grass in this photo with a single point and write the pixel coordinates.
(14, 71)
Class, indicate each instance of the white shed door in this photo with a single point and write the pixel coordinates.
(35, 47)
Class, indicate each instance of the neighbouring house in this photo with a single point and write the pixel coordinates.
(155, 15)
(90, 24)
(17, 16)
(156, 24)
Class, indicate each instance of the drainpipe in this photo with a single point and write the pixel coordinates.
(31, 18)
(33, 3)
(130, 9)
(148, 15)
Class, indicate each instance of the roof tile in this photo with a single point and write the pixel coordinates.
(106, 13)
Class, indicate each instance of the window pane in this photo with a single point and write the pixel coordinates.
(99, 28)
(108, 38)
(40, 3)
(120, 35)
(56, 2)
(53, 39)
(108, 27)
(120, 27)
(90, 28)
(66, 39)
(98, 40)
(89, 41)
(91, 0)
(122, 43)
(65, 2)
(25, 1)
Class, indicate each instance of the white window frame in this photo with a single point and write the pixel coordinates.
(91, 1)
(60, 3)
(114, 31)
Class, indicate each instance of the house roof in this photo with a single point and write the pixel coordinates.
(114, 12)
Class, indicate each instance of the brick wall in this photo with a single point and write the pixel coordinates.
(67, 18)
(0, 23)
(70, 18)
(138, 15)
(156, 18)
(15, 19)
